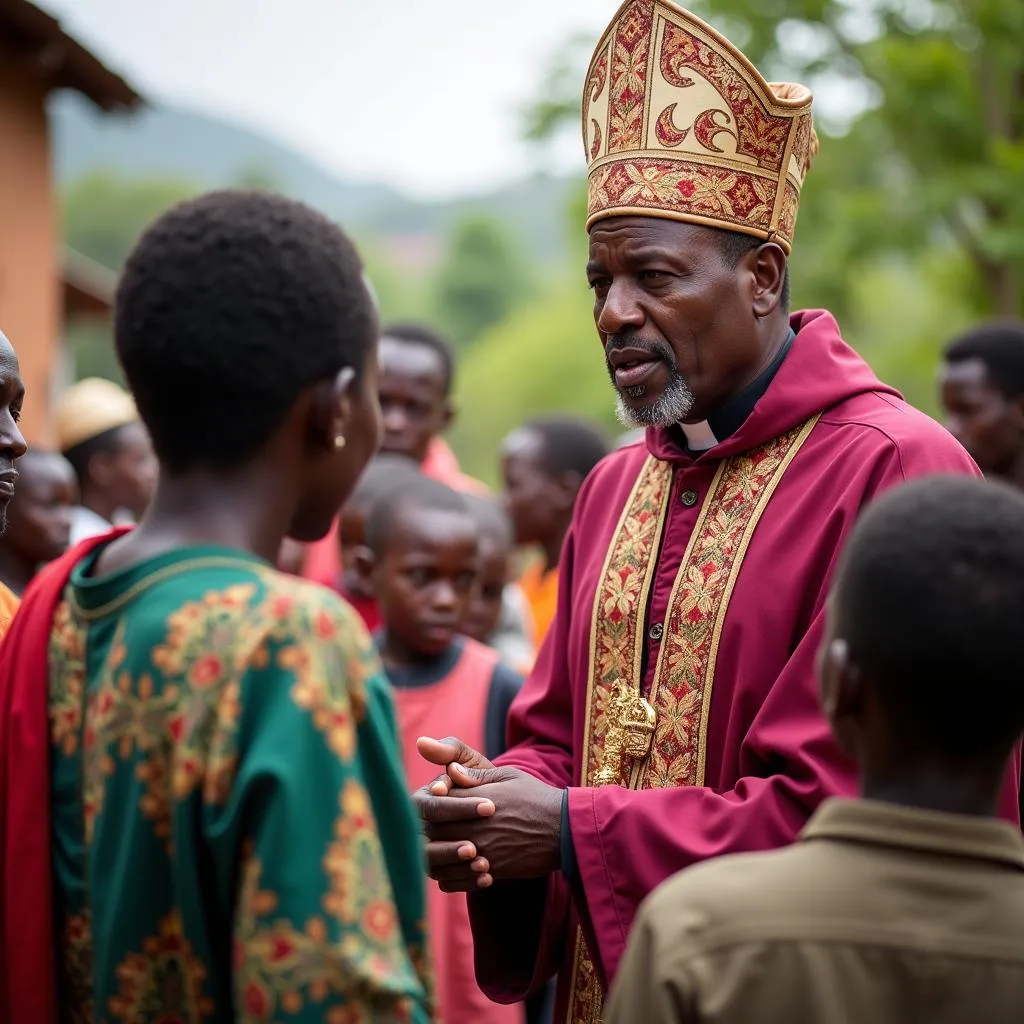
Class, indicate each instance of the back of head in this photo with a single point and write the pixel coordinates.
(568, 445)
(425, 337)
(229, 307)
(492, 520)
(929, 599)
(999, 345)
(382, 473)
(408, 496)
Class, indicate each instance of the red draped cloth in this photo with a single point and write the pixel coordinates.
(27, 953)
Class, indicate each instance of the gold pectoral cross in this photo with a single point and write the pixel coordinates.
(628, 736)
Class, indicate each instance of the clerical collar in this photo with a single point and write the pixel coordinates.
(725, 421)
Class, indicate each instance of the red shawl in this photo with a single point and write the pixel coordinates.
(27, 949)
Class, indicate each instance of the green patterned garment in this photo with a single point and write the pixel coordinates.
(233, 839)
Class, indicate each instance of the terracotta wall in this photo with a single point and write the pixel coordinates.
(29, 286)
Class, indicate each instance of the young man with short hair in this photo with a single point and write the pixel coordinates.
(39, 517)
(422, 562)
(981, 386)
(12, 448)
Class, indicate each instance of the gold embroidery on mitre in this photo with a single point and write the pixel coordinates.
(678, 123)
(616, 630)
(680, 699)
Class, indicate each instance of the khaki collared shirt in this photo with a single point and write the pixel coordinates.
(878, 915)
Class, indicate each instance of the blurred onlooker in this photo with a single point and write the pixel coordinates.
(12, 448)
(421, 561)
(544, 464)
(99, 433)
(38, 518)
(982, 391)
(383, 472)
(499, 615)
(417, 369)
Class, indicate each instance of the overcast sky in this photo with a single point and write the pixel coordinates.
(422, 94)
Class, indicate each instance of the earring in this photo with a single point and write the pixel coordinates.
(339, 442)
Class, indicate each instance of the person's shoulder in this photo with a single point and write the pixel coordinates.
(884, 421)
(728, 895)
(313, 611)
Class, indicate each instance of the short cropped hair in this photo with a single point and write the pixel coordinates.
(736, 245)
(81, 455)
(418, 494)
(568, 445)
(418, 334)
(492, 520)
(930, 599)
(1000, 346)
(230, 305)
(383, 472)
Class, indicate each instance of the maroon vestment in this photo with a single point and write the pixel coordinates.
(698, 583)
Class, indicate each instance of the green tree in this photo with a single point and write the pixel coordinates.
(256, 176)
(103, 214)
(545, 356)
(481, 279)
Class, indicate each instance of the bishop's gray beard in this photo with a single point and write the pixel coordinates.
(672, 407)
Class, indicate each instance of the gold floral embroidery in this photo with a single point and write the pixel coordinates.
(621, 594)
(75, 970)
(280, 966)
(689, 129)
(208, 648)
(684, 675)
(330, 675)
(759, 133)
(67, 680)
(720, 194)
(629, 77)
(165, 982)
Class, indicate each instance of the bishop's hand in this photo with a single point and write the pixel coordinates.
(485, 823)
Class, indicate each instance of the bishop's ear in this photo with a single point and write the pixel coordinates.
(769, 267)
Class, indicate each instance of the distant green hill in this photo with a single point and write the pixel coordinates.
(178, 143)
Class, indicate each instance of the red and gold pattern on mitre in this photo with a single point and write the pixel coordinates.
(677, 123)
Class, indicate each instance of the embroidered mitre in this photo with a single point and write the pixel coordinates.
(678, 123)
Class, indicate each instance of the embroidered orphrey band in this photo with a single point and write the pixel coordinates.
(680, 696)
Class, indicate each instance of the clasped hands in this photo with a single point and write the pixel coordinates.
(485, 824)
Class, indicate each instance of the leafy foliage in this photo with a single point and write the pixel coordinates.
(481, 279)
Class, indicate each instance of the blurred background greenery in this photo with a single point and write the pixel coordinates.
(911, 225)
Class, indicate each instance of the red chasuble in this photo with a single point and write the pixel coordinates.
(676, 692)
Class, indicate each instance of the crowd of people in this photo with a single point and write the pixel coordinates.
(714, 722)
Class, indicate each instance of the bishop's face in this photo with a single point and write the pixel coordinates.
(675, 317)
